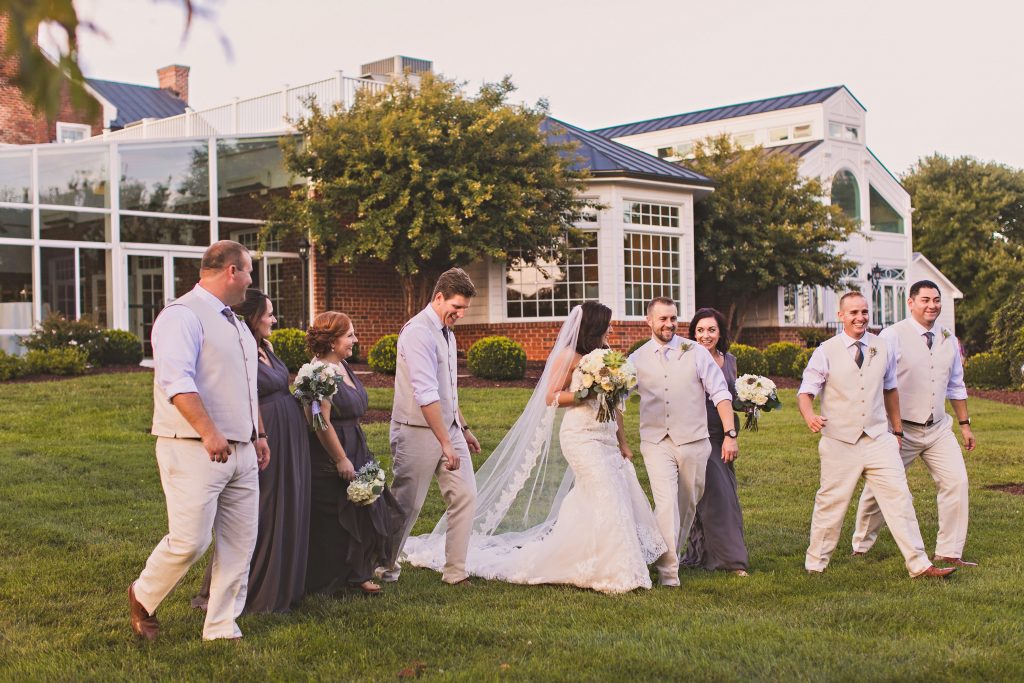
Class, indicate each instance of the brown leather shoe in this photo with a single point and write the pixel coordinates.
(143, 623)
(956, 561)
(858, 553)
(936, 572)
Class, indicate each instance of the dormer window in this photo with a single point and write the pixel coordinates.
(843, 131)
(683, 150)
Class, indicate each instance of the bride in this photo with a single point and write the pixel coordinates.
(558, 500)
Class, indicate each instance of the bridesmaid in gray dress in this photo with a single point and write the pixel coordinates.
(716, 537)
(346, 541)
(277, 573)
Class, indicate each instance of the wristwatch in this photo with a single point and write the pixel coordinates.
(732, 433)
(965, 422)
(465, 428)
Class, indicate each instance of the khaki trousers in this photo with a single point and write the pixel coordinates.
(204, 496)
(842, 466)
(939, 451)
(417, 460)
(676, 473)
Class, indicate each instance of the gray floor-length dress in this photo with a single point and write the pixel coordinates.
(277, 573)
(716, 537)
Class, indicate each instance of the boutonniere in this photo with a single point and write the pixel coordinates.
(872, 352)
(946, 334)
(683, 348)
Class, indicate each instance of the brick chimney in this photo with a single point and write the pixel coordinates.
(174, 79)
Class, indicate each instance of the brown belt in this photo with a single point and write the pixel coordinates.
(197, 438)
(929, 423)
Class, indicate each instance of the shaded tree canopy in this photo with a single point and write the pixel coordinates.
(969, 222)
(43, 81)
(424, 177)
(763, 227)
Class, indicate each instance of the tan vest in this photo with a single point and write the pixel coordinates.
(225, 376)
(923, 373)
(852, 397)
(672, 395)
(405, 410)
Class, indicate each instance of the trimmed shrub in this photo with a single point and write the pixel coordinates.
(383, 355)
(497, 358)
(636, 345)
(749, 360)
(11, 367)
(1006, 334)
(780, 357)
(57, 332)
(813, 337)
(67, 361)
(119, 347)
(988, 370)
(800, 362)
(290, 346)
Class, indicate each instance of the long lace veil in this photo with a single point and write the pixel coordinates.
(522, 484)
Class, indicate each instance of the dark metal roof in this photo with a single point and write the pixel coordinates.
(605, 158)
(797, 149)
(137, 102)
(718, 113)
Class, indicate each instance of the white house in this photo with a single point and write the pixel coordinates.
(827, 130)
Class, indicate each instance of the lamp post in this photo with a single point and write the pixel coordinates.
(304, 246)
(875, 278)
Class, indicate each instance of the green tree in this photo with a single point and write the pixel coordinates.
(43, 80)
(424, 177)
(763, 227)
(969, 222)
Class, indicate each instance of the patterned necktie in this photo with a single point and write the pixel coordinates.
(229, 314)
(928, 338)
(859, 356)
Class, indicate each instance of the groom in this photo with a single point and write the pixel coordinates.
(429, 437)
(673, 377)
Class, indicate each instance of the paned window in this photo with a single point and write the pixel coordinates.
(651, 269)
(803, 305)
(884, 218)
(547, 288)
(846, 194)
(643, 213)
(889, 298)
(843, 131)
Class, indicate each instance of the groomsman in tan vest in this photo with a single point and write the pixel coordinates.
(929, 370)
(209, 444)
(429, 436)
(674, 376)
(855, 375)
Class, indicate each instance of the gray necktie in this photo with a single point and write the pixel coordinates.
(444, 331)
(928, 338)
(858, 358)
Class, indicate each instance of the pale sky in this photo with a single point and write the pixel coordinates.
(934, 75)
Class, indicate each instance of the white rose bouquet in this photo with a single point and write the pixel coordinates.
(609, 376)
(755, 394)
(316, 381)
(368, 484)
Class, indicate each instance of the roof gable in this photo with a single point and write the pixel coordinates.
(720, 113)
(137, 102)
(603, 157)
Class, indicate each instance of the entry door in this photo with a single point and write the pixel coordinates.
(155, 279)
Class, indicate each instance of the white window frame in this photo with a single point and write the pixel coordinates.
(839, 130)
(65, 127)
(505, 285)
(654, 233)
(802, 295)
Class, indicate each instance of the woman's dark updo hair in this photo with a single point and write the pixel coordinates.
(596, 318)
(326, 328)
(723, 337)
(252, 309)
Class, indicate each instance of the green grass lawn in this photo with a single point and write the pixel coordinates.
(81, 508)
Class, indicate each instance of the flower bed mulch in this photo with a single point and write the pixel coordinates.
(105, 370)
(1012, 489)
(380, 380)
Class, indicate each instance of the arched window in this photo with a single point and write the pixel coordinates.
(846, 194)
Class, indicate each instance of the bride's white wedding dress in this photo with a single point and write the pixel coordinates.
(557, 503)
(605, 534)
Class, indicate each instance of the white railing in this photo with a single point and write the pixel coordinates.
(270, 113)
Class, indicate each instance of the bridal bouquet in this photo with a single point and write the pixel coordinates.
(607, 375)
(368, 484)
(316, 381)
(755, 394)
